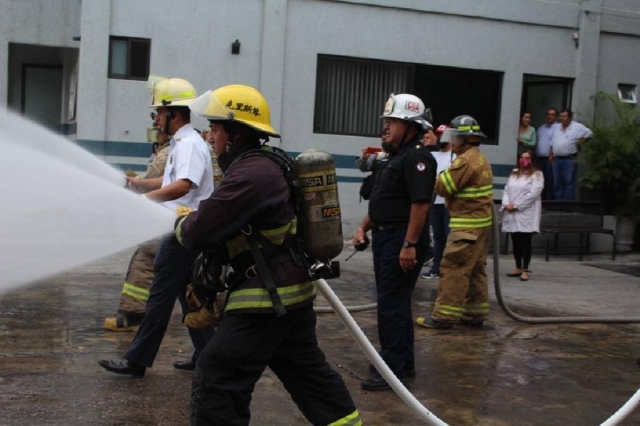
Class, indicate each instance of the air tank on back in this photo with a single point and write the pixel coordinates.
(321, 216)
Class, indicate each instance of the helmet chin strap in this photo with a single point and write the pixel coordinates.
(169, 115)
(406, 132)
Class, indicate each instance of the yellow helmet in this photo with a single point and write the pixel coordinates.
(171, 92)
(236, 102)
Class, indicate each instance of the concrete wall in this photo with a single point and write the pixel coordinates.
(38, 22)
(20, 54)
(281, 40)
(407, 36)
(198, 50)
(619, 61)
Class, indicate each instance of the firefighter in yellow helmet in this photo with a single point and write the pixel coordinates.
(135, 290)
(187, 180)
(467, 187)
(268, 319)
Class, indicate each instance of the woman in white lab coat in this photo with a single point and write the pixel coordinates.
(521, 208)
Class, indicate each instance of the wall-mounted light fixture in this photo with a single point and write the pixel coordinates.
(235, 47)
(576, 38)
(76, 38)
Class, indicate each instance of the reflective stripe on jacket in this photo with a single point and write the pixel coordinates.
(239, 244)
(467, 187)
(253, 192)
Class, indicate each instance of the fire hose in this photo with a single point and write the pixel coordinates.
(371, 353)
(403, 393)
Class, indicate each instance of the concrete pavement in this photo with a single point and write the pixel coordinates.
(505, 374)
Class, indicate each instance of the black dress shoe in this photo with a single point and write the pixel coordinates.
(184, 365)
(123, 366)
(375, 383)
(406, 374)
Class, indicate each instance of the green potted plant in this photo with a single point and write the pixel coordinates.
(612, 160)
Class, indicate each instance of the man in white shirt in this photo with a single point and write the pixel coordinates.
(565, 144)
(543, 147)
(187, 180)
(439, 214)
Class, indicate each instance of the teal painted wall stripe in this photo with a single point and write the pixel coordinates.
(134, 167)
(68, 128)
(143, 150)
(123, 149)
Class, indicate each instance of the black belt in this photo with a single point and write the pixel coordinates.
(564, 157)
(390, 227)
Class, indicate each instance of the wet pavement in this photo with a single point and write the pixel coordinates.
(508, 373)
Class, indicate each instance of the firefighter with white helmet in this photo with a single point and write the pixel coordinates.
(187, 180)
(397, 214)
(250, 221)
(467, 187)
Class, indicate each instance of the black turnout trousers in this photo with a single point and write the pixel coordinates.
(243, 346)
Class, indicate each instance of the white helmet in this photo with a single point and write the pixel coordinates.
(408, 108)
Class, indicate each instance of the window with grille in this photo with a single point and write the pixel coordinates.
(351, 93)
(129, 58)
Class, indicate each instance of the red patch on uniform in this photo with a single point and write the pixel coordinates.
(421, 167)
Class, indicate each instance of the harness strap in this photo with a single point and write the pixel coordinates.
(265, 275)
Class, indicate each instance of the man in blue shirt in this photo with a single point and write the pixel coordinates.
(545, 135)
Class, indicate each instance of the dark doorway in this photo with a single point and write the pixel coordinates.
(455, 91)
(42, 94)
(539, 93)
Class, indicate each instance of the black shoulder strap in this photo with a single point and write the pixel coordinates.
(265, 274)
(281, 158)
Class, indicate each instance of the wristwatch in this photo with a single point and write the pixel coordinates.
(407, 244)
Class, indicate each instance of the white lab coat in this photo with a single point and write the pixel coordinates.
(524, 193)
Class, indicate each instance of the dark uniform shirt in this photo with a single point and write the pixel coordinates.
(407, 177)
(254, 191)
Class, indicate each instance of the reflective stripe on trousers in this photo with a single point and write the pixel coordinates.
(462, 290)
(470, 222)
(352, 419)
(135, 292)
(258, 298)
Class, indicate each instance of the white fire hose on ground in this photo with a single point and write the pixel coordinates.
(407, 397)
(374, 357)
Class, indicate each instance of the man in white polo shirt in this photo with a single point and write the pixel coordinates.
(187, 180)
(565, 144)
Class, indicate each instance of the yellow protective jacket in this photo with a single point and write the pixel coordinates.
(156, 168)
(467, 187)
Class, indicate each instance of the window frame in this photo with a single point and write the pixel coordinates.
(128, 75)
(411, 83)
(633, 90)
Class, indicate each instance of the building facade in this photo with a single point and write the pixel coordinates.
(325, 66)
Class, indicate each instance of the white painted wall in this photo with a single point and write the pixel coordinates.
(39, 22)
(619, 61)
(192, 41)
(406, 36)
(282, 38)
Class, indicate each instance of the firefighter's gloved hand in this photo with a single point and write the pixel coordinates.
(183, 211)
